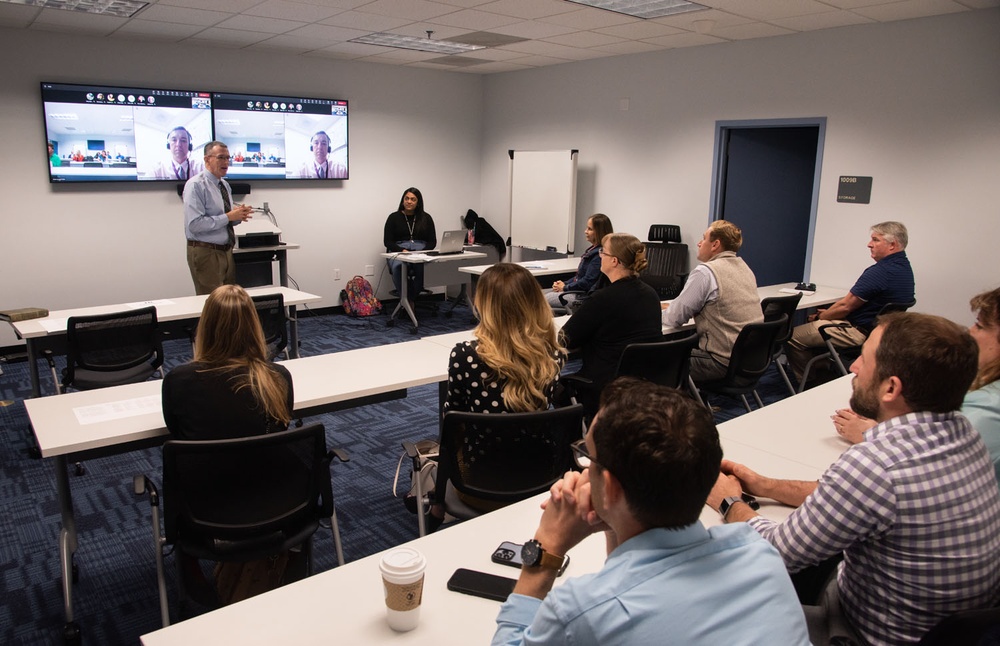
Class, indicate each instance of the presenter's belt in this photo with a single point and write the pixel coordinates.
(209, 245)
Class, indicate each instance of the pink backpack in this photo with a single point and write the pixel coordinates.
(358, 298)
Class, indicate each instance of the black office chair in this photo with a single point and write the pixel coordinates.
(500, 459)
(271, 312)
(774, 307)
(970, 627)
(665, 363)
(571, 305)
(749, 360)
(667, 259)
(110, 350)
(841, 357)
(240, 499)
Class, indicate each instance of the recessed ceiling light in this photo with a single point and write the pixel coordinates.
(643, 8)
(117, 8)
(419, 44)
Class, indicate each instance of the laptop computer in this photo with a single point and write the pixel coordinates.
(451, 243)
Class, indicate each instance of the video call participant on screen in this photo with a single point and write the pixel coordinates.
(53, 157)
(653, 456)
(409, 228)
(209, 218)
(179, 165)
(320, 166)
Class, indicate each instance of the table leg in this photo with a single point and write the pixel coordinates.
(404, 301)
(293, 333)
(282, 256)
(67, 534)
(36, 389)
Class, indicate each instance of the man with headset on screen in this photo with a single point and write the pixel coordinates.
(209, 218)
(320, 166)
(180, 165)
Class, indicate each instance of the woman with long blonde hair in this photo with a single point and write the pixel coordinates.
(230, 389)
(514, 362)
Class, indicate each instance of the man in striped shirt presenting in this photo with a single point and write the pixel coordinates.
(914, 509)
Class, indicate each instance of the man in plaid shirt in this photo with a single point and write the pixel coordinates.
(914, 509)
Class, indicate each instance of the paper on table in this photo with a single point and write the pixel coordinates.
(536, 265)
(54, 325)
(155, 303)
(791, 290)
(118, 410)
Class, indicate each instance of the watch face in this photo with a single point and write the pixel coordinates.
(531, 553)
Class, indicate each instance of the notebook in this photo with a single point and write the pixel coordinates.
(451, 243)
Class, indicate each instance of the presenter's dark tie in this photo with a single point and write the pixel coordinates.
(228, 206)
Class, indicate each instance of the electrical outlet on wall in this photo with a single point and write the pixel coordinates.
(369, 270)
(336, 274)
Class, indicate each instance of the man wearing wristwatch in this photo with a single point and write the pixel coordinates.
(653, 455)
(914, 509)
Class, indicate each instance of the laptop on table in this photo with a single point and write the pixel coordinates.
(452, 242)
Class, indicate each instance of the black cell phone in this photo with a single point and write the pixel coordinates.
(510, 554)
(481, 584)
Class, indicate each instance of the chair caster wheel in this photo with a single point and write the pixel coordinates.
(413, 331)
(390, 323)
(71, 633)
(79, 469)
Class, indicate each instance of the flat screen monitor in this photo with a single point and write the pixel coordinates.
(109, 133)
(278, 137)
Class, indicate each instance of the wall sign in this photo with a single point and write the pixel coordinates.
(854, 189)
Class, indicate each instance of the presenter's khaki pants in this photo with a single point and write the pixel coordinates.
(210, 268)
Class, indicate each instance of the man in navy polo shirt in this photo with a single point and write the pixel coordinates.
(889, 280)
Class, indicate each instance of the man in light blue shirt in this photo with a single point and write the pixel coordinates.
(653, 456)
(209, 217)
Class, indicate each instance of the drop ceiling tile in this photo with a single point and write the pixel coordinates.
(410, 9)
(14, 15)
(590, 19)
(816, 21)
(528, 9)
(228, 37)
(584, 39)
(157, 30)
(909, 9)
(292, 11)
(685, 40)
(752, 30)
(184, 15)
(260, 24)
(367, 22)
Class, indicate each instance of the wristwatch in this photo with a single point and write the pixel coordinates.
(533, 555)
(727, 503)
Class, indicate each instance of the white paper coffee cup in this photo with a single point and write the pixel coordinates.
(403, 582)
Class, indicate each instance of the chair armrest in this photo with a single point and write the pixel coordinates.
(826, 335)
(142, 485)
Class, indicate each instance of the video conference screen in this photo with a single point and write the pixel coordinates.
(277, 137)
(107, 133)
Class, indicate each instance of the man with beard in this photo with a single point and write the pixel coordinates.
(914, 511)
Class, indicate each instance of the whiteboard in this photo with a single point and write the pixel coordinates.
(543, 199)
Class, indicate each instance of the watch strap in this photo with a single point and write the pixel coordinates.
(728, 502)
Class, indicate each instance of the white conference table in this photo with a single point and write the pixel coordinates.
(37, 333)
(438, 270)
(346, 605)
(110, 421)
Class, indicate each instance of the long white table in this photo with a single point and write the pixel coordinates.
(42, 333)
(438, 270)
(109, 421)
(346, 604)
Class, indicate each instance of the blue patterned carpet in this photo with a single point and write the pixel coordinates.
(115, 597)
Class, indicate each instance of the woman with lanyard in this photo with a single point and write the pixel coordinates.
(409, 228)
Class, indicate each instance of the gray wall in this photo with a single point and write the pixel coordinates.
(913, 104)
(71, 246)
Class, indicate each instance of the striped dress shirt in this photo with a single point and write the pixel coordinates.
(916, 511)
